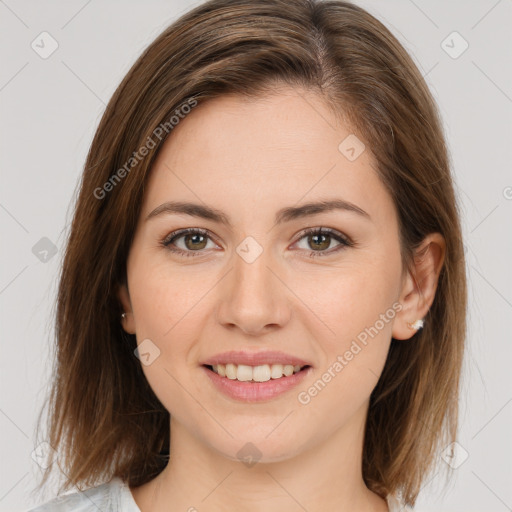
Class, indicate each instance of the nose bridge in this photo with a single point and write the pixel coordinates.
(255, 298)
(251, 269)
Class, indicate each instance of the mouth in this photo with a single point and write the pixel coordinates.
(251, 384)
(254, 374)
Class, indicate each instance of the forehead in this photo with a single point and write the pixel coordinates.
(248, 154)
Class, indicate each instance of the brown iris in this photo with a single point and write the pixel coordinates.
(197, 240)
(324, 244)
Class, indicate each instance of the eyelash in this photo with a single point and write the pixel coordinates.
(344, 241)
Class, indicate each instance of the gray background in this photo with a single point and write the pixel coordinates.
(51, 107)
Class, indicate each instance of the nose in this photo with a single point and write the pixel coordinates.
(253, 297)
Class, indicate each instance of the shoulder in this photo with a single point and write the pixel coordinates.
(111, 496)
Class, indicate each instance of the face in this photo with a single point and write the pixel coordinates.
(264, 275)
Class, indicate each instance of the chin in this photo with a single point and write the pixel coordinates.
(251, 449)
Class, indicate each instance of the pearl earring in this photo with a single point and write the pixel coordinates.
(417, 325)
(123, 315)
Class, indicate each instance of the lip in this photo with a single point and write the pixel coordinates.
(256, 391)
(255, 358)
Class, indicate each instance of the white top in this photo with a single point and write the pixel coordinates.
(115, 496)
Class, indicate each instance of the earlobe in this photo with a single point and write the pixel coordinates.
(419, 288)
(127, 320)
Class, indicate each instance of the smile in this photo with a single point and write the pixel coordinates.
(255, 383)
(260, 373)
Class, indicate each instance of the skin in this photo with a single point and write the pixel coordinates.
(250, 158)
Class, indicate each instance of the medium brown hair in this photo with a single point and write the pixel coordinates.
(104, 419)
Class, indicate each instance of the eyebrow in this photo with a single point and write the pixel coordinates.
(284, 215)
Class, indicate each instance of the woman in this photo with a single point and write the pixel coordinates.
(262, 303)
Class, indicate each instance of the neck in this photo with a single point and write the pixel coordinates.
(326, 476)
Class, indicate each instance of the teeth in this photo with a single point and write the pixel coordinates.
(276, 372)
(262, 373)
(243, 373)
(230, 371)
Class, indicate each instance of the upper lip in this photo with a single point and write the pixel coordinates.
(255, 358)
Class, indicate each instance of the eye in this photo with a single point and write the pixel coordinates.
(196, 239)
(321, 238)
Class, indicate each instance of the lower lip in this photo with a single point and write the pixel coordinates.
(256, 391)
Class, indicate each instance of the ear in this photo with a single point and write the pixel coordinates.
(419, 285)
(128, 322)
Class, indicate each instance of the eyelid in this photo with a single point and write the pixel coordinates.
(186, 231)
(325, 231)
(342, 239)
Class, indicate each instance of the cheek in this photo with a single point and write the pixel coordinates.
(356, 305)
(164, 297)
(351, 298)
(168, 306)
(168, 312)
